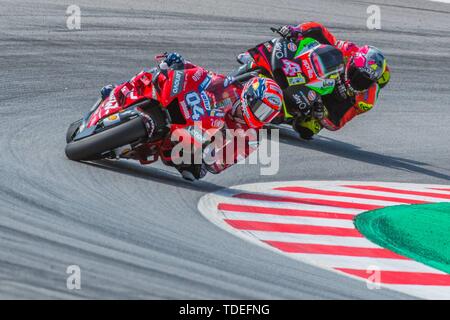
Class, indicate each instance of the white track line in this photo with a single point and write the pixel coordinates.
(303, 238)
(384, 194)
(330, 198)
(336, 223)
(289, 205)
(363, 263)
(443, 1)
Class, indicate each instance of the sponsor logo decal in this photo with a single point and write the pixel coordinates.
(154, 93)
(274, 99)
(312, 95)
(197, 75)
(125, 90)
(228, 80)
(299, 79)
(268, 46)
(280, 50)
(185, 110)
(145, 80)
(308, 68)
(217, 113)
(222, 105)
(364, 106)
(177, 82)
(292, 46)
(217, 123)
(328, 83)
(112, 119)
(194, 102)
(206, 101)
(290, 68)
(205, 83)
(299, 102)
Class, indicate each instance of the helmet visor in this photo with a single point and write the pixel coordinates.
(261, 110)
(359, 80)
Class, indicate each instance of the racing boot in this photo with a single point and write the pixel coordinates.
(192, 172)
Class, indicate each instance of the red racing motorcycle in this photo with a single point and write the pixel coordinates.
(140, 118)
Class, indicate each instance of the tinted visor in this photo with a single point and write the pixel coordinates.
(359, 80)
(327, 60)
(261, 110)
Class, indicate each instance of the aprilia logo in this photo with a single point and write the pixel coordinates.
(308, 69)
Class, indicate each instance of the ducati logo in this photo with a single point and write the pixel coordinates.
(177, 83)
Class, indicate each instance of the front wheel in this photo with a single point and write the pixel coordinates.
(72, 130)
(94, 147)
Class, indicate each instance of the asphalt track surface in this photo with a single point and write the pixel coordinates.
(135, 231)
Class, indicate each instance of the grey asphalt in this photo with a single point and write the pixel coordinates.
(135, 231)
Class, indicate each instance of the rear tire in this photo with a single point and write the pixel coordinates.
(92, 147)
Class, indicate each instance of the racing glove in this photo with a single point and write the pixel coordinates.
(341, 89)
(244, 58)
(288, 32)
(106, 91)
(172, 60)
(318, 110)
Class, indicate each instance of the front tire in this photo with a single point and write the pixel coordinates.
(93, 147)
(72, 130)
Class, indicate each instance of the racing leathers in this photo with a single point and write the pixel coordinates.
(234, 142)
(343, 104)
(238, 141)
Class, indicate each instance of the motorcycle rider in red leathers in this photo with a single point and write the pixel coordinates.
(366, 72)
(260, 102)
(254, 104)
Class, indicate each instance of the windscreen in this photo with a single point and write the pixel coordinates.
(327, 61)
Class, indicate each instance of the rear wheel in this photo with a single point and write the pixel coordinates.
(95, 146)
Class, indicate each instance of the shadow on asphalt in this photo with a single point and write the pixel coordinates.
(137, 170)
(320, 144)
(350, 151)
(164, 176)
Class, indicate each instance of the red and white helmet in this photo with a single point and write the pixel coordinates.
(261, 101)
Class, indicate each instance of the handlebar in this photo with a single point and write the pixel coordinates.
(161, 56)
(275, 30)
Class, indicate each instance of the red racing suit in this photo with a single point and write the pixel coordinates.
(235, 130)
(340, 111)
(239, 141)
